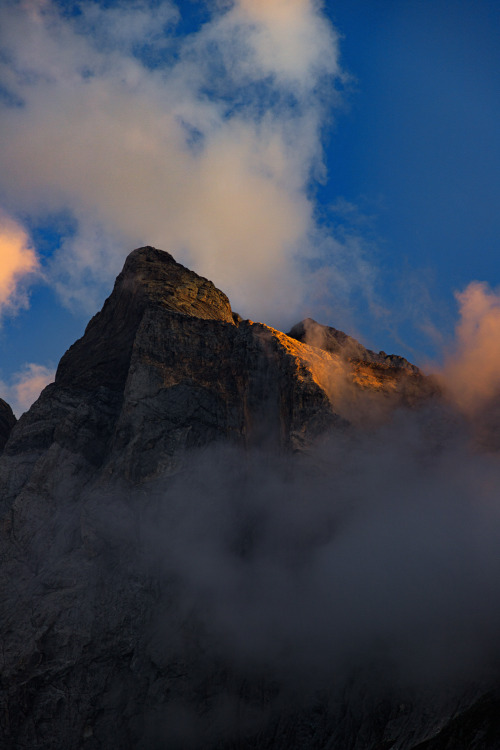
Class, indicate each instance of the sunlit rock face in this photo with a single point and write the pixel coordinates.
(101, 648)
(364, 387)
(378, 372)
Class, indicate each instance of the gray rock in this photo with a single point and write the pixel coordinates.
(7, 422)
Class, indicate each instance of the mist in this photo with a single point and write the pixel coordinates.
(336, 562)
(253, 586)
(372, 559)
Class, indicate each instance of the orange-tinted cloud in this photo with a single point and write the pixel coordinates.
(17, 259)
(472, 370)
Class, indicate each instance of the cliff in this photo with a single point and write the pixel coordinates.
(7, 422)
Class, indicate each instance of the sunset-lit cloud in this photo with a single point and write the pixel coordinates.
(207, 153)
(17, 260)
(472, 370)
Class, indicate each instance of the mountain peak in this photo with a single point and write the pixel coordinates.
(158, 276)
(152, 280)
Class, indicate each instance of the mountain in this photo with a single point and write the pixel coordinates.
(138, 514)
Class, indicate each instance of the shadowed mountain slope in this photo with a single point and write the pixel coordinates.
(7, 422)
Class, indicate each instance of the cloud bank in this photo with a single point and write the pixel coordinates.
(203, 145)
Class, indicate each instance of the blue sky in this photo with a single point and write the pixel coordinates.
(422, 139)
(340, 163)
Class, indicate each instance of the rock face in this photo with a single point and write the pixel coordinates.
(337, 342)
(7, 422)
(365, 386)
(101, 648)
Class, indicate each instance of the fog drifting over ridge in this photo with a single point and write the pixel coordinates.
(373, 557)
(262, 587)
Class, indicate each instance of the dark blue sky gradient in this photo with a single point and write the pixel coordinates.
(419, 146)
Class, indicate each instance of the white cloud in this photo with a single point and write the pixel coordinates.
(288, 38)
(209, 156)
(25, 386)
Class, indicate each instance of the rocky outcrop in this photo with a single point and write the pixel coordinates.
(7, 422)
(475, 728)
(151, 281)
(367, 385)
(337, 342)
(104, 644)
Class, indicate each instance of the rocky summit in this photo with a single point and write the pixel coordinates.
(171, 423)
